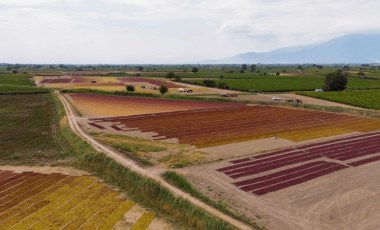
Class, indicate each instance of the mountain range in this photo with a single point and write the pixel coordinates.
(350, 49)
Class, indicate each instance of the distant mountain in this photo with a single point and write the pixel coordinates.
(356, 48)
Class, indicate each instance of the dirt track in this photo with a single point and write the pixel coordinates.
(153, 174)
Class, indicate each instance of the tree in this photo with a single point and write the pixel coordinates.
(277, 73)
(15, 71)
(170, 75)
(221, 77)
(335, 81)
(194, 69)
(209, 83)
(244, 67)
(253, 68)
(130, 88)
(242, 71)
(163, 89)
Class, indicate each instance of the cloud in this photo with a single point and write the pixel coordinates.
(136, 31)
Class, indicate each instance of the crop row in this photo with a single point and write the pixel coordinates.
(342, 149)
(352, 150)
(298, 180)
(55, 201)
(287, 177)
(316, 146)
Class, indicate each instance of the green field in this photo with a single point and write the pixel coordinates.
(28, 129)
(289, 83)
(18, 84)
(364, 98)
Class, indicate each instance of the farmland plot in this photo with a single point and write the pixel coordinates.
(301, 164)
(104, 105)
(211, 127)
(56, 201)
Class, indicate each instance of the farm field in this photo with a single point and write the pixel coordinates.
(105, 83)
(57, 201)
(106, 105)
(28, 129)
(290, 83)
(258, 174)
(364, 98)
(16, 83)
(211, 127)
(321, 185)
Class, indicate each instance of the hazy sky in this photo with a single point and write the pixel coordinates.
(170, 31)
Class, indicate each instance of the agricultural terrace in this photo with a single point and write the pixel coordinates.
(288, 83)
(106, 105)
(364, 98)
(259, 174)
(211, 127)
(56, 201)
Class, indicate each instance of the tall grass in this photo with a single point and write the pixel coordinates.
(181, 183)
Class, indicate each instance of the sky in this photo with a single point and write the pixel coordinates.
(170, 31)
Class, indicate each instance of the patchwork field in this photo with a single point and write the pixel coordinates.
(105, 105)
(259, 174)
(56, 201)
(105, 83)
(217, 126)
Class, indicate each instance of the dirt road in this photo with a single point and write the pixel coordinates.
(153, 174)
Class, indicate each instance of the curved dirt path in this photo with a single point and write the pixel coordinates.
(155, 174)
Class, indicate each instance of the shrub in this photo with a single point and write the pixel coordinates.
(130, 88)
(163, 89)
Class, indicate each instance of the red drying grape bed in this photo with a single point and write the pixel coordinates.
(347, 152)
(56, 81)
(210, 127)
(154, 82)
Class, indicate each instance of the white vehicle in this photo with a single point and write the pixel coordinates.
(274, 98)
